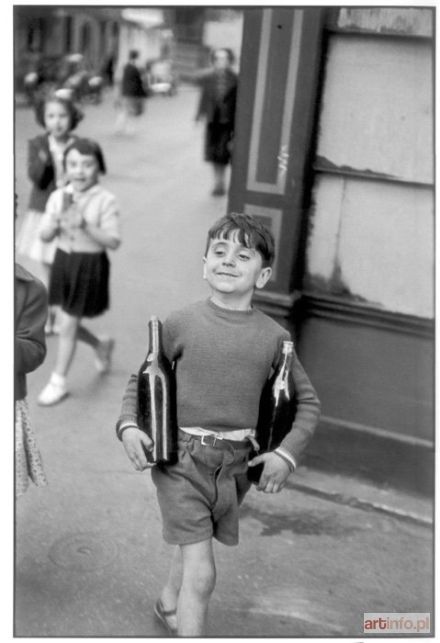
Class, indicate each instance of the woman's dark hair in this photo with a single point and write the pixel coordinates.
(250, 233)
(89, 148)
(74, 112)
(230, 54)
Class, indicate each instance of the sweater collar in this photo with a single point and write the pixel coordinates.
(227, 313)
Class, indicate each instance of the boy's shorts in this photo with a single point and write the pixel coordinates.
(200, 495)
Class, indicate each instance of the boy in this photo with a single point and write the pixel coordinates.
(223, 350)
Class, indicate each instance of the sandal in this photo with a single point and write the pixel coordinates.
(162, 614)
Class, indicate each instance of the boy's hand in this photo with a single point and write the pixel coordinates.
(134, 441)
(275, 472)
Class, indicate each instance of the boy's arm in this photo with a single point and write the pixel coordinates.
(279, 463)
(134, 440)
(306, 418)
(128, 415)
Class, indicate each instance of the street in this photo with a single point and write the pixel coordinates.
(89, 557)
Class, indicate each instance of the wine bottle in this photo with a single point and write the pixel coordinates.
(277, 408)
(156, 399)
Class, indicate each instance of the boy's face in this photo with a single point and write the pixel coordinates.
(233, 269)
(82, 170)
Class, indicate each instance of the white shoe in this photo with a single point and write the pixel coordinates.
(103, 357)
(54, 391)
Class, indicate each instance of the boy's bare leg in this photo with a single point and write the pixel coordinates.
(198, 582)
(170, 592)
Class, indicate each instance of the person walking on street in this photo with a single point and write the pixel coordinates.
(223, 350)
(85, 218)
(133, 96)
(59, 116)
(217, 106)
(30, 351)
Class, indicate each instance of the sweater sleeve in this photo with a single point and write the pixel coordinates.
(30, 343)
(40, 165)
(307, 413)
(110, 221)
(49, 223)
(128, 412)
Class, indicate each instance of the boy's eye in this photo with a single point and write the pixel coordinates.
(243, 256)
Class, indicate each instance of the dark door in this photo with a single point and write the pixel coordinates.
(276, 109)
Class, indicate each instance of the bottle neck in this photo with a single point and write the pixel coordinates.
(286, 356)
(154, 328)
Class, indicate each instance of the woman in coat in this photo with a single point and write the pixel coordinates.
(217, 106)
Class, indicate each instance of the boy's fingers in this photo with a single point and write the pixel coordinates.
(139, 459)
(147, 442)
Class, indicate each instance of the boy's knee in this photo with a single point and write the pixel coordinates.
(201, 579)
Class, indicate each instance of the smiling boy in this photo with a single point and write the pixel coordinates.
(223, 350)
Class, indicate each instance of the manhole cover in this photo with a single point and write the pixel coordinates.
(83, 551)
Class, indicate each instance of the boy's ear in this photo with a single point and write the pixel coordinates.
(204, 267)
(264, 277)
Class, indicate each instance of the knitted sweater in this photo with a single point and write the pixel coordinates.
(223, 359)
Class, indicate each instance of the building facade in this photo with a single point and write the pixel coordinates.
(51, 32)
(334, 151)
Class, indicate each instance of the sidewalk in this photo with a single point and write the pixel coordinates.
(361, 495)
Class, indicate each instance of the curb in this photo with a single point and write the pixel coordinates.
(364, 505)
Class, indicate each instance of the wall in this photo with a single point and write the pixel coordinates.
(372, 233)
(367, 334)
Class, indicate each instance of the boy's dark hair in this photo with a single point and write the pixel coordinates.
(88, 147)
(251, 234)
(75, 113)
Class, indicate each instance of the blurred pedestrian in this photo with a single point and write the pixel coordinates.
(217, 106)
(85, 218)
(133, 95)
(59, 116)
(223, 350)
(30, 351)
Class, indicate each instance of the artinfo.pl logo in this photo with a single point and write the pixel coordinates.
(397, 623)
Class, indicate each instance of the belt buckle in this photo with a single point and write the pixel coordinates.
(209, 436)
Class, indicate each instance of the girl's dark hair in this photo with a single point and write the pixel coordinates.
(250, 232)
(88, 147)
(75, 113)
(229, 52)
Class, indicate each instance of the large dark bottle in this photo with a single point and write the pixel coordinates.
(277, 408)
(156, 399)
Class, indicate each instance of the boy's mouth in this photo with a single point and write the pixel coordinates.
(226, 274)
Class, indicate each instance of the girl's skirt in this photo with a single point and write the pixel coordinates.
(28, 462)
(79, 283)
(29, 243)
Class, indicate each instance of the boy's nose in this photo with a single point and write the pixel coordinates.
(229, 260)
